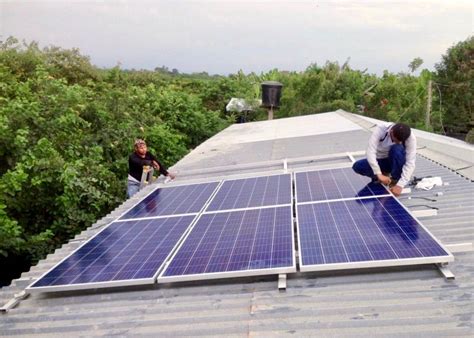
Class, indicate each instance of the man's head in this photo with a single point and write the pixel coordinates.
(140, 147)
(400, 132)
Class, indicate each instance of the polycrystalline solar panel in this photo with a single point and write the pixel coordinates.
(236, 243)
(363, 233)
(185, 199)
(124, 253)
(253, 192)
(332, 184)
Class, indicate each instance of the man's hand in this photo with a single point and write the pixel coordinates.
(396, 190)
(171, 175)
(156, 165)
(383, 179)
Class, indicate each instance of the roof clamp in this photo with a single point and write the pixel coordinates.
(425, 213)
(282, 281)
(406, 191)
(285, 166)
(460, 247)
(443, 268)
(351, 157)
(14, 301)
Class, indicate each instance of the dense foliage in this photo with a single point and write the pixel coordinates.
(66, 130)
(67, 127)
(455, 84)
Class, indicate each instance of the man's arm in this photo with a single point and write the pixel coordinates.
(409, 167)
(137, 161)
(158, 166)
(371, 152)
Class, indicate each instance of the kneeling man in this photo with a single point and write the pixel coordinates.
(391, 156)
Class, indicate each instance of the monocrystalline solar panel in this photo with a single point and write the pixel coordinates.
(237, 243)
(363, 233)
(333, 184)
(185, 199)
(124, 253)
(253, 192)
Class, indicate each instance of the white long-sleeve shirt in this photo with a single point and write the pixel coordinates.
(379, 147)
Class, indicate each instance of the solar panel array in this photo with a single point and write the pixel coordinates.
(344, 221)
(134, 249)
(244, 227)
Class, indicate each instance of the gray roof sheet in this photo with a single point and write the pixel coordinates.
(410, 301)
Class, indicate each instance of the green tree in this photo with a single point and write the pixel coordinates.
(455, 81)
(415, 64)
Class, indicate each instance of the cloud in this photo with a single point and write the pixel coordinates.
(225, 36)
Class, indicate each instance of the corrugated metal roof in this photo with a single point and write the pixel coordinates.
(410, 301)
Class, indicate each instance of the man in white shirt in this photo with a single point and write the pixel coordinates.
(391, 156)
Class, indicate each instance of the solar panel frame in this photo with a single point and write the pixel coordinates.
(235, 273)
(207, 210)
(182, 184)
(114, 283)
(295, 179)
(370, 263)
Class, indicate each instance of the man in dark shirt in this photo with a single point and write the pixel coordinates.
(139, 158)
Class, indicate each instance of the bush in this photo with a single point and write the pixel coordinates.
(470, 136)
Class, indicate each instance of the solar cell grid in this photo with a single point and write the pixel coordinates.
(128, 252)
(363, 230)
(185, 199)
(248, 242)
(252, 192)
(334, 184)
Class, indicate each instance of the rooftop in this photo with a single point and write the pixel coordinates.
(413, 300)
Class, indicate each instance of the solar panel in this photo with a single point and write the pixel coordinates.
(252, 192)
(185, 199)
(333, 184)
(363, 233)
(124, 253)
(235, 243)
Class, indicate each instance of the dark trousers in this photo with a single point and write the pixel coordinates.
(393, 164)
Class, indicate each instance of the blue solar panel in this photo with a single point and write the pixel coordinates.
(124, 253)
(253, 192)
(238, 243)
(363, 231)
(185, 199)
(332, 184)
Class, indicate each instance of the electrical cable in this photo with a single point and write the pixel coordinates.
(440, 109)
(422, 205)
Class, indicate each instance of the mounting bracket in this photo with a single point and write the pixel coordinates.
(443, 268)
(282, 281)
(14, 301)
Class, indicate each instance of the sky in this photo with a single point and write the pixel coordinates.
(223, 37)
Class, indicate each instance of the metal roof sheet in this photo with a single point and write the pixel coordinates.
(411, 301)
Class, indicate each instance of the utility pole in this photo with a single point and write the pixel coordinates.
(428, 106)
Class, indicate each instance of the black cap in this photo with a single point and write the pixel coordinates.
(401, 131)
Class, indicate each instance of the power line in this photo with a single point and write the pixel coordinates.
(440, 108)
(406, 110)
